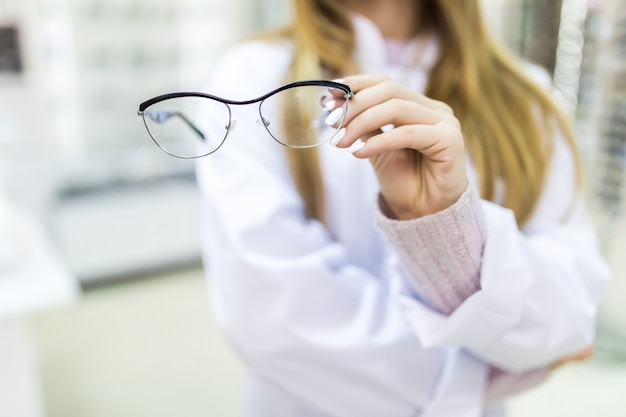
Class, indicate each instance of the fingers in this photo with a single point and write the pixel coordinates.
(368, 117)
(416, 121)
(575, 357)
(363, 84)
(418, 137)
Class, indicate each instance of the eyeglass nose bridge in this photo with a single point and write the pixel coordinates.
(232, 124)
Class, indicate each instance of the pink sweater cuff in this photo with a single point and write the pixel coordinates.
(440, 253)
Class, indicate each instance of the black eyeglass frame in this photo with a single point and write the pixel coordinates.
(348, 94)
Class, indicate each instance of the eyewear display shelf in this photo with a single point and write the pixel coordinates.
(93, 62)
(602, 113)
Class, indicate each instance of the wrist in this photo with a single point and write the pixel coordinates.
(403, 211)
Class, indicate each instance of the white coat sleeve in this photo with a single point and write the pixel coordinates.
(284, 292)
(539, 287)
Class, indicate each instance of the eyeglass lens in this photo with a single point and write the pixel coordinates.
(308, 108)
(180, 126)
(190, 127)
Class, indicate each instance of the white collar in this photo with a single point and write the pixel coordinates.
(371, 55)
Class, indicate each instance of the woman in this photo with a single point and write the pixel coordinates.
(447, 272)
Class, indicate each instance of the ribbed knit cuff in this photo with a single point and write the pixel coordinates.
(441, 253)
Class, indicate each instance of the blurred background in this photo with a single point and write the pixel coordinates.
(103, 306)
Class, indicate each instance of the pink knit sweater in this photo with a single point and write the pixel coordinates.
(441, 257)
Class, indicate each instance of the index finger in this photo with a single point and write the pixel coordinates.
(362, 82)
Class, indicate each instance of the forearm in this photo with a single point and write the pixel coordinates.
(440, 253)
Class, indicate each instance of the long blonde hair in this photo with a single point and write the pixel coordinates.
(507, 119)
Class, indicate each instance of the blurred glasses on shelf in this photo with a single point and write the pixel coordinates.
(192, 124)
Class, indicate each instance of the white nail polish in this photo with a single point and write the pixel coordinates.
(387, 128)
(356, 146)
(328, 103)
(334, 116)
(339, 80)
(338, 136)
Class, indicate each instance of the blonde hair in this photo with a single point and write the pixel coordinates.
(507, 120)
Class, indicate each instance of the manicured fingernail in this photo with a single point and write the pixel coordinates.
(387, 128)
(356, 146)
(334, 116)
(328, 102)
(338, 136)
(339, 80)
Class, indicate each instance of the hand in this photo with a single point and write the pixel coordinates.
(420, 164)
(574, 357)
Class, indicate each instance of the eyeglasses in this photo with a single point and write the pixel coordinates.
(192, 124)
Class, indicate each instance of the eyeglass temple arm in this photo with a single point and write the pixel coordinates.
(190, 124)
(178, 114)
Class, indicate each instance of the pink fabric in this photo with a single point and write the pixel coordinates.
(395, 50)
(441, 255)
(503, 384)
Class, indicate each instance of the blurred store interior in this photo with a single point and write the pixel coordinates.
(103, 306)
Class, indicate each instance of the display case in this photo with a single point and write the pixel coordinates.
(602, 112)
(71, 134)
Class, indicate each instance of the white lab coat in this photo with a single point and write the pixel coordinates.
(323, 316)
